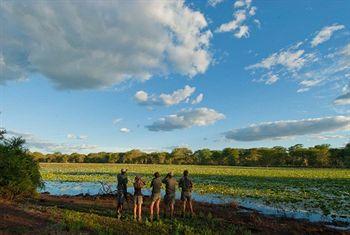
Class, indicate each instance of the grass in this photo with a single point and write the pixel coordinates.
(314, 190)
(82, 219)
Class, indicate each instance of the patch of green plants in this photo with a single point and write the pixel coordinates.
(321, 190)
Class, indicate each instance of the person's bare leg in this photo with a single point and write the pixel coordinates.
(183, 207)
(135, 211)
(151, 211)
(191, 207)
(140, 212)
(157, 208)
(171, 210)
(119, 210)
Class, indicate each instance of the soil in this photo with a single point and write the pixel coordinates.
(23, 217)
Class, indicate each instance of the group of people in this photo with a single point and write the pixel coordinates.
(185, 183)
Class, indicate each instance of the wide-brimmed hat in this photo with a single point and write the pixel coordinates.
(123, 170)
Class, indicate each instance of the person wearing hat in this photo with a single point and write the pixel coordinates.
(156, 185)
(186, 186)
(122, 191)
(170, 189)
(138, 199)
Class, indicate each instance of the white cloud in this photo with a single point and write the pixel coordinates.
(239, 4)
(329, 137)
(252, 11)
(238, 25)
(213, 3)
(198, 99)
(124, 130)
(141, 97)
(116, 121)
(98, 44)
(343, 99)
(272, 79)
(325, 34)
(77, 137)
(178, 96)
(186, 118)
(257, 22)
(36, 144)
(239, 18)
(291, 60)
(243, 32)
(308, 67)
(289, 128)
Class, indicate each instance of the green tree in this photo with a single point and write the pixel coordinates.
(19, 172)
(203, 156)
(181, 156)
(231, 155)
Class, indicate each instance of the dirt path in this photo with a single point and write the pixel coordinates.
(25, 217)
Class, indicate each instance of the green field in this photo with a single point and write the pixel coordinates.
(314, 190)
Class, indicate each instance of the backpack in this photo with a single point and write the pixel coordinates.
(139, 184)
(187, 184)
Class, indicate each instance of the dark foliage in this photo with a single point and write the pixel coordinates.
(296, 156)
(19, 172)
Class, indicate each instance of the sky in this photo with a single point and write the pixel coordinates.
(154, 75)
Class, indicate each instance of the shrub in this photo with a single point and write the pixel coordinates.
(19, 172)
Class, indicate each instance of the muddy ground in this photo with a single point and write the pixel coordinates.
(31, 216)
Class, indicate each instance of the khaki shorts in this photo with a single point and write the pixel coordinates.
(138, 200)
(186, 196)
(155, 197)
(169, 199)
(120, 197)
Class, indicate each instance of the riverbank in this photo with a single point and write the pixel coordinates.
(96, 214)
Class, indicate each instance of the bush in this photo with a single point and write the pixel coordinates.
(19, 172)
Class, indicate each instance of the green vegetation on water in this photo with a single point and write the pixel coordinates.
(315, 190)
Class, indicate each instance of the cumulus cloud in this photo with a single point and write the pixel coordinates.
(289, 128)
(186, 118)
(241, 17)
(343, 99)
(77, 137)
(124, 130)
(98, 44)
(198, 99)
(36, 144)
(325, 34)
(174, 98)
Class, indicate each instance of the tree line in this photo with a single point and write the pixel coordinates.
(295, 156)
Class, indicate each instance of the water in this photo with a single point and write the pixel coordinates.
(94, 188)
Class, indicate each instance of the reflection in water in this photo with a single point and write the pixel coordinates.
(94, 188)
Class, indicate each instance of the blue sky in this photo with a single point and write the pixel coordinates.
(104, 77)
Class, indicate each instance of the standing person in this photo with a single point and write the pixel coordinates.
(156, 185)
(138, 199)
(122, 191)
(186, 186)
(170, 189)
